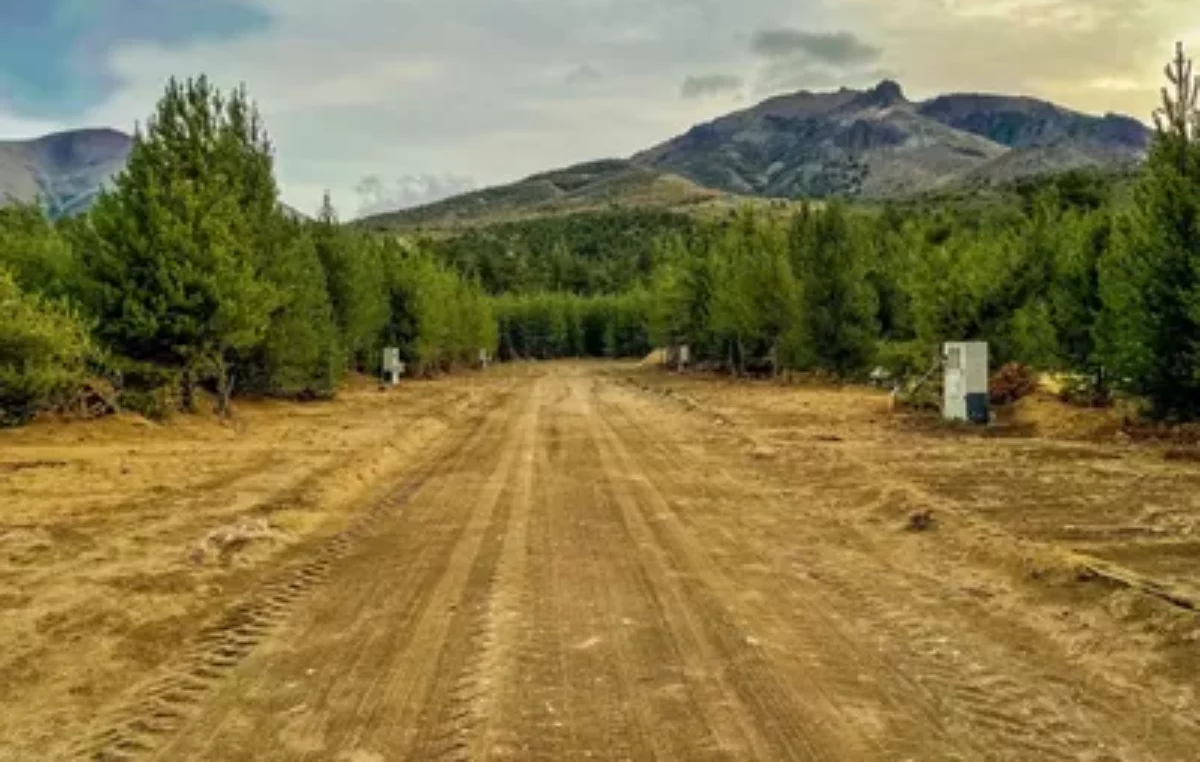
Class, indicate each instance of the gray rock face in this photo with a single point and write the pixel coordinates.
(65, 171)
(877, 143)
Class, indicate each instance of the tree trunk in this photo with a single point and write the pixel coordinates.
(188, 390)
(225, 382)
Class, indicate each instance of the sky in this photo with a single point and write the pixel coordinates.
(391, 103)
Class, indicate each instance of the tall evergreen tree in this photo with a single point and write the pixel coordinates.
(179, 245)
(301, 354)
(357, 282)
(1150, 281)
(837, 304)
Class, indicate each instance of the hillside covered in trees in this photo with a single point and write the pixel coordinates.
(189, 275)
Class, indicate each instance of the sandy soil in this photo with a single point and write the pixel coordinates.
(592, 561)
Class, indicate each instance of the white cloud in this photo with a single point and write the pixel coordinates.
(466, 88)
(709, 85)
(490, 89)
(376, 195)
(18, 128)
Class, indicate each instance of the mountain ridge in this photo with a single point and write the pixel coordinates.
(877, 143)
(65, 170)
(871, 144)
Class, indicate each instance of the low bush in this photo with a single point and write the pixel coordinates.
(44, 349)
(1012, 382)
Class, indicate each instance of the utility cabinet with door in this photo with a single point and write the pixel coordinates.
(966, 384)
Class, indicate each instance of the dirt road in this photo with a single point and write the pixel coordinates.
(574, 562)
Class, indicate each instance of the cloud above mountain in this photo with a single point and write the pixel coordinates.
(836, 48)
(498, 89)
(795, 59)
(377, 195)
(710, 84)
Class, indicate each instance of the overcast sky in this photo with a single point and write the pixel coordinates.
(394, 102)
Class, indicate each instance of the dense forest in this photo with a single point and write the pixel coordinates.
(188, 275)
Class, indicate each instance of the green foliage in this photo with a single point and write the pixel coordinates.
(837, 304)
(44, 348)
(357, 283)
(438, 319)
(193, 274)
(752, 294)
(544, 326)
(1075, 300)
(588, 253)
(38, 257)
(1149, 331)
(188, 272)
(301, 353)
(177, 250)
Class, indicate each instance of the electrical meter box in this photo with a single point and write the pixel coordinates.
(966, 388)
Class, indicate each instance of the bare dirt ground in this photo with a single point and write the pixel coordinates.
(592, 561)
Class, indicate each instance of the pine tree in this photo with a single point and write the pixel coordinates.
(178, 247)
(1075, 300)
(354, 273)
(1150, 281)
(301, 353)
(837, 305)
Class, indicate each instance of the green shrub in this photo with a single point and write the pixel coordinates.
(44, 348)
(905, 359)
(156, 404)
(154, 391)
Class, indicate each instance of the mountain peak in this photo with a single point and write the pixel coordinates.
(875, 142)
(887, 93)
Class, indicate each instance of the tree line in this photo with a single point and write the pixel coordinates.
(189, 274)
(1074, 273)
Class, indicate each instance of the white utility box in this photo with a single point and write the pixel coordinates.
(966, 389)
(679, 356)
(393, 368)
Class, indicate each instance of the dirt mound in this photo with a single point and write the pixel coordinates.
(1049, 416)
(223, 544)
(657, 357)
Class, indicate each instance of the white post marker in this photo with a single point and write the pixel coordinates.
(393, 369)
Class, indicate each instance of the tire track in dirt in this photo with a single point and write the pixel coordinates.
(1000, 713)
(478, 650)
(404, 566)
(163, 705)
(569, 577)
(379, 646)
(988, 720)
(774, 721)
(587, 698)
(833, 661)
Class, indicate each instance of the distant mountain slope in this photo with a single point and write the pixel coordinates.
(871, 144)
(877, 143)
(66, 170)
(579, 188)
(1030, 123)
